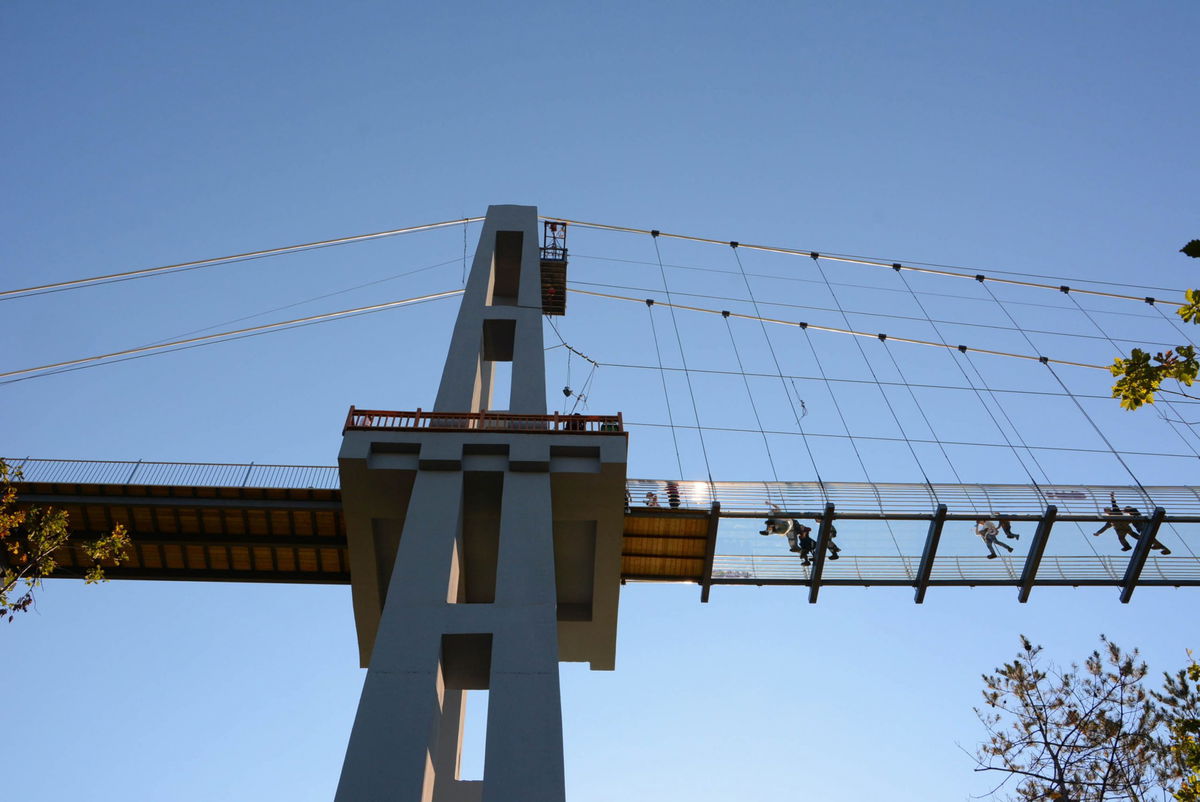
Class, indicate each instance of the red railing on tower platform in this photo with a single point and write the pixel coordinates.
(424, 421)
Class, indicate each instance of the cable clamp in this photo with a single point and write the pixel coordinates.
(882, 337)
(725, 313)
(803, 325)
(655, 233)
(962, 348)
(814, 255)
(980, 277)
(1149, 300)
(733, 244)
(1064, 289)
(896, 266)
(649, 302)
(1045, 360)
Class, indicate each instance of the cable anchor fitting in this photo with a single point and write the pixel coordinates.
(980, 277)
(882, 337)
(725, 313)
(803, 325)
(1045, 360)
(1149, 300)
(897, 266)
(1064, 289)
(649, 302)
(733, 244)
(962, 348)
(814, 255)
(655, 232)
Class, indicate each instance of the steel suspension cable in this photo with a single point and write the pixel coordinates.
(229, 334)
(841, 258)
(219, 260)
(662, 375)
(1187, 339)
(683, 359)
(835, 330)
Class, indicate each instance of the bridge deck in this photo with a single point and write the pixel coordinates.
(280, 523)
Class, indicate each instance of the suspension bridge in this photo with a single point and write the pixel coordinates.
(487, 539)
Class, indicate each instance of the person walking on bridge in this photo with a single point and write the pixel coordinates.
(990, 534)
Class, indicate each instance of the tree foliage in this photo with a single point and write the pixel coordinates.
(1139, 379)
(1090, 733)
(29, 538)
(1180, 699)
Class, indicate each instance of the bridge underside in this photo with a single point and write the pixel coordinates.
(284, 524)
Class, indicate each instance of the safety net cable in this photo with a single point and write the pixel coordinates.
(1165, 401)
(854, 440)
(663, 375)
(875, 379)
(750, 397)
(683, 360)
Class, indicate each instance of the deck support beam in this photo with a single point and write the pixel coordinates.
(925, 569)
(1141, 551)
(710, 550)
(1037, 547)
(823, 536)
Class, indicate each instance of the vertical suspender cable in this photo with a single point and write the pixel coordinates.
(966, 357)
(779, 371)
(750, 396)
(662, 374)
(883, 394)
(683, 358)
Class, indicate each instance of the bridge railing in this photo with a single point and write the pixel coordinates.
(917, 501)
(178, 474)
(421, 420)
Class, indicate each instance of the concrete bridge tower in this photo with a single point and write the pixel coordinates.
(485, 547)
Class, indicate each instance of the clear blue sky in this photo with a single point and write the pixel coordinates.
(1048, 138)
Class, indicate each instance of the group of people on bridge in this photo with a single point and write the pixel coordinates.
(799, 537)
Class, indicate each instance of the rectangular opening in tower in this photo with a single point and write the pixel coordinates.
(506, 267)
(480, 546)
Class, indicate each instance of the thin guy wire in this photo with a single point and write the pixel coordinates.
(750, 396)
(217, 260)
(666, 396)
(683, 359)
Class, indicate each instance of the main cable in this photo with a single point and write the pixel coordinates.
(835, 330)
(229, 334)
(219, 260)
(840, 258)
